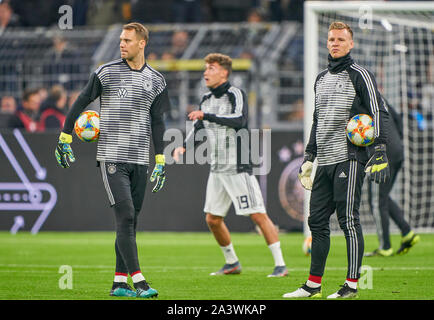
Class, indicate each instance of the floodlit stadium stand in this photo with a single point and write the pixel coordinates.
(42, 57)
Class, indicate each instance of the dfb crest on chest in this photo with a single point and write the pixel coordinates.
(147, 84)
(340, 86)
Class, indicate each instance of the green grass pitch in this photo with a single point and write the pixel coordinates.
(178, 266)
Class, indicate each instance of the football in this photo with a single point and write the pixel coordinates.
(307, 246)
(360, 130)
(87, 126)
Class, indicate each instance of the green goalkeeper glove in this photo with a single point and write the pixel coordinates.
(378, 165)
(306, 171)
(159, 172)
(63, 150)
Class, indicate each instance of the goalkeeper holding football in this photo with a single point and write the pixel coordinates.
(343, 90)
(133, 98)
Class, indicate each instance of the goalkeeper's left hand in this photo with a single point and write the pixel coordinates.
(63, 150)
(159, 172)
(378, 165)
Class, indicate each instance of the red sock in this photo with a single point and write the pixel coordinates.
(315, 279)
(352, 283)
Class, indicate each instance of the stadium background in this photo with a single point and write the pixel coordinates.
(265, 38)
(36, 53)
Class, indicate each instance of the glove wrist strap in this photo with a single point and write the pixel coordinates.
(380, 147)
(309, 157)
(65, 138)
(160, 159)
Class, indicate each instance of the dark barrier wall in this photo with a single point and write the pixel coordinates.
(37, 195)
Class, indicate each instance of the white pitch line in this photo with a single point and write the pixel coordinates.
(49, 266)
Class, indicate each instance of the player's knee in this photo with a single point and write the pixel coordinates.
(383, 205)
(312, 223)
(316, 225)
(349, 223)
(213, 221)
(259, 218)
(125, 214)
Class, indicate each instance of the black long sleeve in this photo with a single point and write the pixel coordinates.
(236, 123)
(198, 125)
(366, 87)
(91, 91)
(160, 105)
(311, 146)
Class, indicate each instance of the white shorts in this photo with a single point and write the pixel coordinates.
(240, 189)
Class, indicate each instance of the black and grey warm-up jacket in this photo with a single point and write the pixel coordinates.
(225, 123)
(132, 104)
(343, 90)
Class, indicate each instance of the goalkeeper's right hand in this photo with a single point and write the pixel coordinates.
(64, 151)
(306, 171)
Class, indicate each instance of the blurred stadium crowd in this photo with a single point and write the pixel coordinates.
(43, 68)
(36, 13)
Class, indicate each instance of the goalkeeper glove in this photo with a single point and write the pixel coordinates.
(306, 171)
(63, 151)
(378, 165)
(159, 172)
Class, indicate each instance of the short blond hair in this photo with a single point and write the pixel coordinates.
(339, 25)
(140, 29)
(223, 60)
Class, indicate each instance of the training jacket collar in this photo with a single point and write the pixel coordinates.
(221, 89)
(339, 64)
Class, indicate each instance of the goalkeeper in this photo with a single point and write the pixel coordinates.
(343, 90)
(386, 206)
(133, 98)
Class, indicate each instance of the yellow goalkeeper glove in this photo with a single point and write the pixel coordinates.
(377, 167)
(63, 150)
(159, 172)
